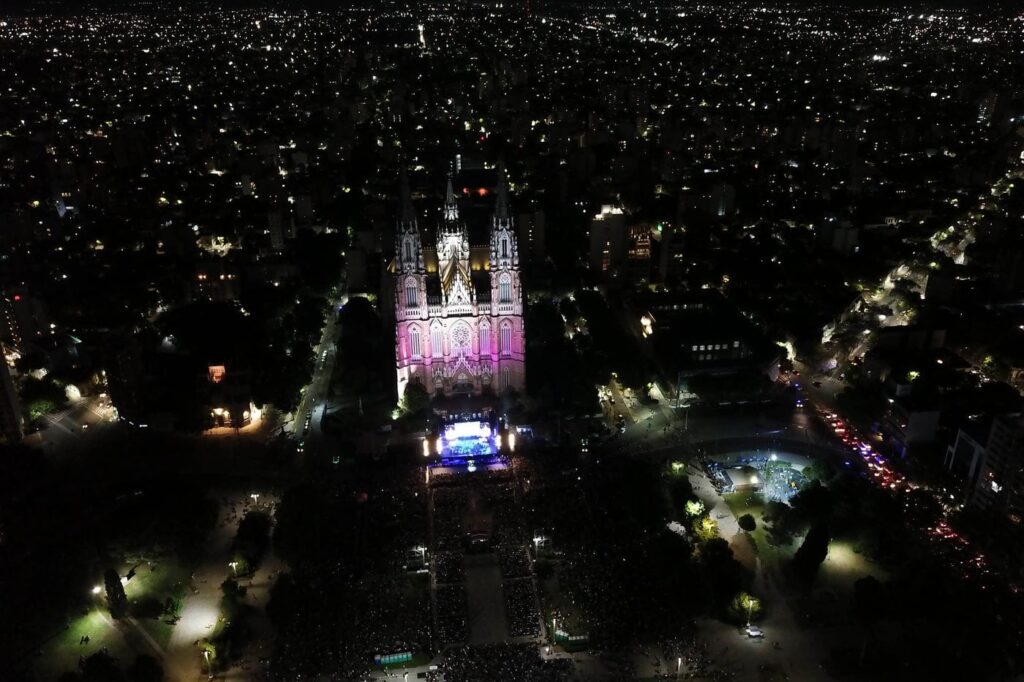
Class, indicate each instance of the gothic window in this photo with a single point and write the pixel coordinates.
(436, 342)
(504, 247)
(414, 343)
(460, 338)
(411, 299)
(485, 340)
(505, 290)
(408, 251)
(505, 347)
(506, 378)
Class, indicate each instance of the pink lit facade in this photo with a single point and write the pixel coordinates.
(458, 306)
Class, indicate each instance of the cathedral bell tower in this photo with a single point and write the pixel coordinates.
(505, 291)
(409, 265)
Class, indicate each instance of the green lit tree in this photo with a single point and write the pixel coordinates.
(744, 608)
(705, 528)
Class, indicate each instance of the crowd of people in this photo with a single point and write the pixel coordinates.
(452, 625)
(449, 567)
(520, 662)
(521, 607)
(514, 561)
(448, 511)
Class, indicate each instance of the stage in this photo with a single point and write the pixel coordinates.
(468, 446)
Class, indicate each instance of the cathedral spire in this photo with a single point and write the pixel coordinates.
(501, 209)
(406, 215)
(451, 209)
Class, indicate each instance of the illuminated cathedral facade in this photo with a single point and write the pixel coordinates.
(458, 304)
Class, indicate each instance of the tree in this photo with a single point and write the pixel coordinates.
(813, 503)
(252, 538)
(415, 400)
(101, 667)
(747, 523)
(869, 605)
(705, 528)
(812, 552)
(694, 508)
(745, 608)
(724, 575)
(116, 598)
(782, 521)
(820, 470)
(145, 669)
(869, 600)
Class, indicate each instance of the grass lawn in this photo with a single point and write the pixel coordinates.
(754, 504)
(160, 580)
(61, 653)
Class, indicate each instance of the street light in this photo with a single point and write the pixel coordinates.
(234, 567)
(255, 498)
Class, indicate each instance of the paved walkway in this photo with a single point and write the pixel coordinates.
(201, 609)
(727, 644)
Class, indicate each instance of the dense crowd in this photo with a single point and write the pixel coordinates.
(521, 607)
(449, 567)
(451, 614)
(519, 662)
(448, 512)
(514, 561)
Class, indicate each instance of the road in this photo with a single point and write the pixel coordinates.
(315, 395)
(74, 426)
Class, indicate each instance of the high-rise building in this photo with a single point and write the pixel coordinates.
(531, 236)
(458, 306)
(608, 239)
(11, 421)
(1000, 484)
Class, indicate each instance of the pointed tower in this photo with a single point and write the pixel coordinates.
(504, 248)
(410, 279)
(408, 245)
(453, 255)
(451, 207)
(506, 292)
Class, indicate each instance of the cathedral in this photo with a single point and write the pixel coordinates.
(458, 300)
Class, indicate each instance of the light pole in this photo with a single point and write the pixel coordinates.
(255, 498)
(750, 608)
(234, 567)
(679, 667)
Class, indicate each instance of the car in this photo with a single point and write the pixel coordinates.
(816, 384)
(754, 632)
